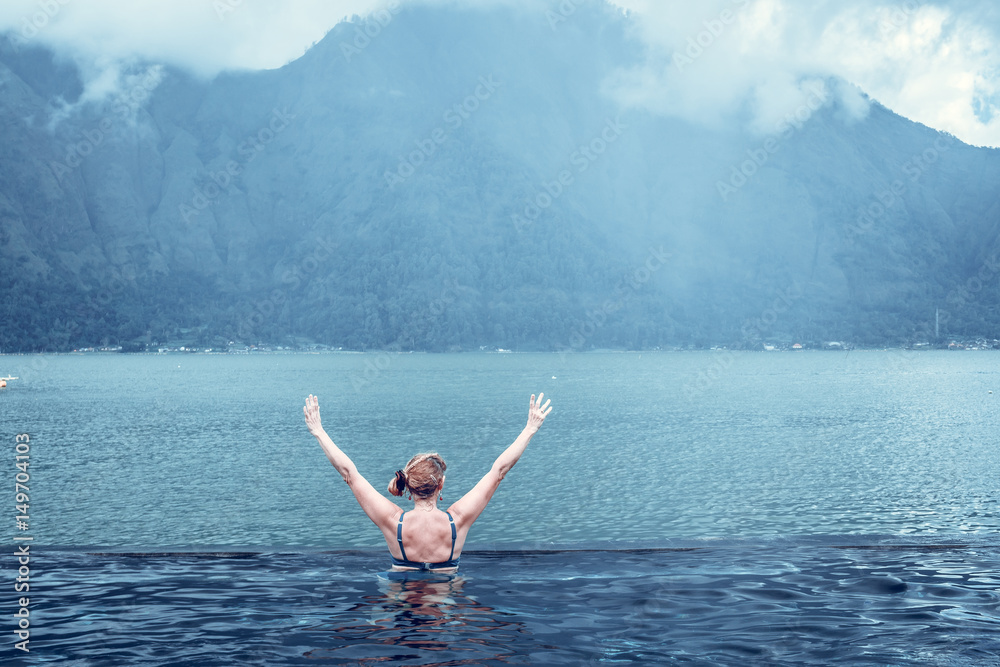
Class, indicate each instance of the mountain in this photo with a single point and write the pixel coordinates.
(441, 178)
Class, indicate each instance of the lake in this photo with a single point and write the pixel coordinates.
(190, 450)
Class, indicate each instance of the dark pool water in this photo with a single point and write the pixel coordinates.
(853, 601)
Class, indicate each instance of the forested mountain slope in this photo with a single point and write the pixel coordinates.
(464, 178)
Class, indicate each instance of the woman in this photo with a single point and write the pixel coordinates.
(426, 538)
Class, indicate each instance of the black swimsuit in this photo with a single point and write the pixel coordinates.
(403, 562)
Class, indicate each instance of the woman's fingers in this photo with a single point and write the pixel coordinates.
(537, 405)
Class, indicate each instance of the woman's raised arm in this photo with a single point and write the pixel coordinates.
(471, 505)
(379, 509)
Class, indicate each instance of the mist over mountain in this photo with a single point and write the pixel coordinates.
(442, 178)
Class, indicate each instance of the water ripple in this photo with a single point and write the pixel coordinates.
(747, 604)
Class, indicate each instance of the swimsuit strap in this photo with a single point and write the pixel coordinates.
(453, 533)
(399, 534)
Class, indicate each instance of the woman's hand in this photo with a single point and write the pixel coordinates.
(311, 411)
(537, 412)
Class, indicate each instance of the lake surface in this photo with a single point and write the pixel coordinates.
(187, 451)
(701, 508)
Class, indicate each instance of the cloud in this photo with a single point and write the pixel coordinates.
(937, 63)
(202, 36)
(119, 45)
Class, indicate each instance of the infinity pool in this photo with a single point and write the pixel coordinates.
(871, 602)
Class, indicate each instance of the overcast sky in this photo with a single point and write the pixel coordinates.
(934, 62)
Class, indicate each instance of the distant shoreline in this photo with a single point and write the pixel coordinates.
(273, 352)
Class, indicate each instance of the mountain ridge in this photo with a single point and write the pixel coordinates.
(262, 205)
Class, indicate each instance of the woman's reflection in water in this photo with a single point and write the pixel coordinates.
(427, 616)
(428, 597)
